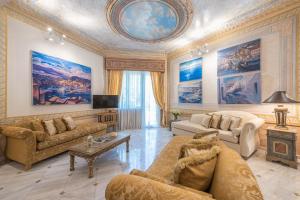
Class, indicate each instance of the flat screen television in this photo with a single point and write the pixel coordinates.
(105, 101)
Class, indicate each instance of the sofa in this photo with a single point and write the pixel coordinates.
(24, 146)
(232, 179)
(243, 139)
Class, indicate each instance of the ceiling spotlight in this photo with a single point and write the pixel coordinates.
(200, 51)
(50, 39)
(49, 29)
(64, 36)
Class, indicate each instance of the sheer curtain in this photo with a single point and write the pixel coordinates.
(137, 108)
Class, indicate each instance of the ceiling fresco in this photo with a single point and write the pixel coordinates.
(145, 25)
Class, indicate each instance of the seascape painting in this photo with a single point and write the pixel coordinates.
(239, 59)
(240, 89)
(239, 74)
(191, 70)
(190, 92)
(57, 81)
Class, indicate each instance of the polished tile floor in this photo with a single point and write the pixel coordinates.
(51, 179)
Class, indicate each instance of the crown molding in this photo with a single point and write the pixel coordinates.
(284, 7)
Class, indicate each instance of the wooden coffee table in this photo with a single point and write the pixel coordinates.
(90, 153)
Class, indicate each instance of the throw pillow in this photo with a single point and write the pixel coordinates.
(225, 123)
(39, 135)
(235, 122)
(49, 127)
(37, 125)
(215, 122)
(70, 123)
(202, 119)
(60, 125)
(194, 148)
(196, 171)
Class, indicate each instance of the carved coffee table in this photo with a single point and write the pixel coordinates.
(90, 153)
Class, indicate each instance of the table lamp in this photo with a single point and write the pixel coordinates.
(280, 97)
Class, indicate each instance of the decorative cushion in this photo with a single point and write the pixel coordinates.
(162, 180)
(37, 125)
(235, 123)
(60, 125)
(215, 122)
(49, 127)
(225, 123)
(70, 123)
(202, 119)
(40, 136)
(196, 170)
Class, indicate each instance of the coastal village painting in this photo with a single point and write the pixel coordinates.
(57, 81)
(190, 87)
(239, 77)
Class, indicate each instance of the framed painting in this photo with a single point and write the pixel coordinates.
(190, 70)
(57, 81)
(190, 92)
(239, 74)
(240, 89)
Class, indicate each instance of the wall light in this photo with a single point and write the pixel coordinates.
(200, 51)
(53, 36)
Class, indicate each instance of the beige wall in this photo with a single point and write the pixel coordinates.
(278, 68)
(22, 39)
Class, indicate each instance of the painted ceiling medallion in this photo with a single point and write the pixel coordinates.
(149, 20)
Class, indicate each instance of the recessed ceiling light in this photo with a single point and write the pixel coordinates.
(64, 36)
(50, 39)
(49, 29)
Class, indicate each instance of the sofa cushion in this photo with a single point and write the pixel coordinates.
(225, 122)
(235, 122)
(59, 139)
(60, 125)
(215, 121)
(70, 123)
(202, 119)
(49, 127)
(196, 170)
(37, 125)
(190, 126)
(228, 136)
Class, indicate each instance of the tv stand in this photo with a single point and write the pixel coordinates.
(110, 118)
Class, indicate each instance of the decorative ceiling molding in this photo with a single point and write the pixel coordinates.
(170, 18)
(282, 6)
(135, 64)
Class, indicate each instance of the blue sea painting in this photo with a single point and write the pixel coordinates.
(57, 81)
(239, 59)
(190, 92)
(190, 70)
(240, 89)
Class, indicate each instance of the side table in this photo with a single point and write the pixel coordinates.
(281, 146)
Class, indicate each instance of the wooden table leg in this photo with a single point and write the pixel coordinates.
(91, 167)
(127, 146)
(72, 161)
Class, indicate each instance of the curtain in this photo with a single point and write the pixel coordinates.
(114, 82)
(158, 91)
(137, 108)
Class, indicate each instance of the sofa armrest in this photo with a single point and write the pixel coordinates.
(248, 136)
(16, 132)
(132, 187)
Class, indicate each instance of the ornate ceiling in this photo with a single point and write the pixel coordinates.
(145, 25)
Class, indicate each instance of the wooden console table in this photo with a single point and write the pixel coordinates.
(109, 118)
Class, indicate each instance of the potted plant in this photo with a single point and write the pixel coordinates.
(176, 114)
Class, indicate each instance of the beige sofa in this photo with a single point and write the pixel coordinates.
(23, 146)
(241, 139)
(232, 179)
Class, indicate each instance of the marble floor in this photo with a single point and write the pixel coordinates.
(51, 179)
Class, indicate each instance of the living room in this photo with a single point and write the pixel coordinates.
(152, 99)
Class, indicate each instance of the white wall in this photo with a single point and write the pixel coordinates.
(22, 39)
(274, 74)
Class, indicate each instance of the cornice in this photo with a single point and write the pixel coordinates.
(283, 9)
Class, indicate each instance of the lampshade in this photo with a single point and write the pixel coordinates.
(279, 97)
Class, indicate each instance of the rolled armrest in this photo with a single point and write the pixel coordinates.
(132, 187)
(16, 132)
(254, 124)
